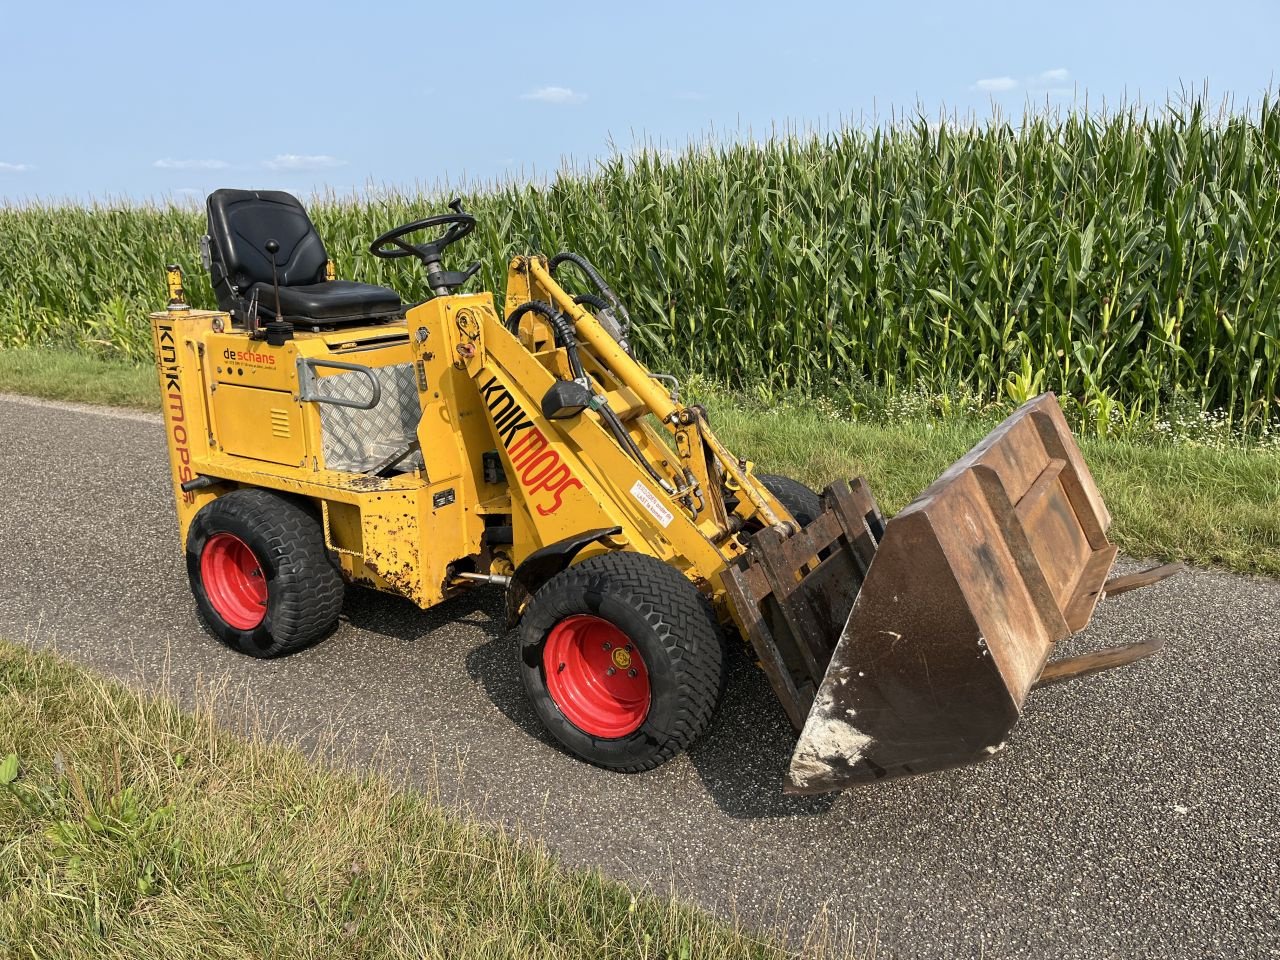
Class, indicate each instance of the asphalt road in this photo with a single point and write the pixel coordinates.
(1134, 814)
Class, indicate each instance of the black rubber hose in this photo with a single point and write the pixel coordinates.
(583, 264)
(565, 336)
(592, 301)
(531, 306)
(624, 438)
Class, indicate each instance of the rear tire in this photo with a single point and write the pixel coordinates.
(262, 578)
(636, 615)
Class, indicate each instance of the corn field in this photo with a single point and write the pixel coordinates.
(1124, 260)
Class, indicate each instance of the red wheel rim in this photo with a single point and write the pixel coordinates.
(596, 676)
(233, 581)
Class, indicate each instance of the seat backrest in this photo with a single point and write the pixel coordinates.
(240, 224)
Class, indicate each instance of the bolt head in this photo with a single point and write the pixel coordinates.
(631, 672)
(610, 672)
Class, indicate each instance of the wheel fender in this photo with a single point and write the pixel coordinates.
(541, 565)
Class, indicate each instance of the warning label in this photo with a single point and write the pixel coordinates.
(651, 503)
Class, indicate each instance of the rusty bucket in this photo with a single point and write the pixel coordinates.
(908, 647)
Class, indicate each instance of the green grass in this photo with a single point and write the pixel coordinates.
(1125, 260)
(130, 829)
(1212, 504)
(62, 374)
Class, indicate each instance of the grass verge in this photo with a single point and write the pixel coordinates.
(1211, 506)
(60, 374)
(131, 829)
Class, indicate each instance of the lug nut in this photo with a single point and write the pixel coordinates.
(628, 648)
(608, 645)
(631, 672)
(610, 672)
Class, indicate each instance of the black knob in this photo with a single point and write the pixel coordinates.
(272, 247)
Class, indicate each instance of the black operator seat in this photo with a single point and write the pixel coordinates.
(240, 224)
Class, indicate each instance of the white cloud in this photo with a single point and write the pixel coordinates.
(995, 84)
(554, 95)
(303, 161)
(1057, 75)
(15, 167)
(170, 164)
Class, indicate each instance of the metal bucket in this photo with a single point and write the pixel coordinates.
(953, 607)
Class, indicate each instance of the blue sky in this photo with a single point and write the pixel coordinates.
(171, 100)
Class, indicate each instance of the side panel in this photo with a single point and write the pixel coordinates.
(260, 424)
(454, 436)
(177, 337)
(398, 550)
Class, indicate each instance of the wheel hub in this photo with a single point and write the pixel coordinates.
(596, 677)
(233, 581)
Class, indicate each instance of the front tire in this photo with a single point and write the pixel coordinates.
(262, 578)
(801, 502)
(621, 658)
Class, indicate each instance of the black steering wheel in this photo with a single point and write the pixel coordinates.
(460, 224)
(392, 246)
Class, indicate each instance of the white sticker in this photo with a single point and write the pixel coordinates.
(651, 503)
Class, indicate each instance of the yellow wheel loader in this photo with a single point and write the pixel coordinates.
(322, 432)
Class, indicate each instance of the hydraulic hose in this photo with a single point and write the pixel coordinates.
(565, 336)
(583, 264)
(620, 434)
(532, 306)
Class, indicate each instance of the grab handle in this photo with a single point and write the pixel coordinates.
(309, 383)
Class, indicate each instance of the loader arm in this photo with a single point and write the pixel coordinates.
(700, 452)
(603, 467)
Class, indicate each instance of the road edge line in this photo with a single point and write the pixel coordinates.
(116, 413)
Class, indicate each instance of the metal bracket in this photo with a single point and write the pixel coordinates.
(1060, 671)
(1069, 668)
(328, 534)
(393, 458)
(1145, 578)
(309, 383)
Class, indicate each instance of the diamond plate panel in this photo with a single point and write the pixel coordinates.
(357, 440)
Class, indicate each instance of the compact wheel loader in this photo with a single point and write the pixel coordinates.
(322, 432)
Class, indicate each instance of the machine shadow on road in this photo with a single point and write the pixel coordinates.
(402, 619)
(741, 760)
(743, 757)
